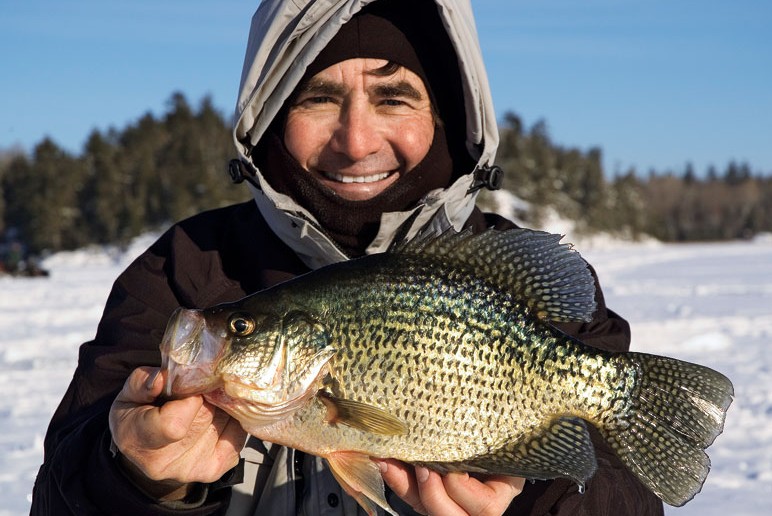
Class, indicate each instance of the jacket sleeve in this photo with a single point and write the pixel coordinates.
(79, 474)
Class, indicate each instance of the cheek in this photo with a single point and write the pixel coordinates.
(304, 140)
(412, 140)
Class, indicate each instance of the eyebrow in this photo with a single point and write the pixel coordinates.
(322, 87)
(397, 89)
(387, 89)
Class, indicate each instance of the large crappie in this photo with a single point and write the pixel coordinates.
(441, 353)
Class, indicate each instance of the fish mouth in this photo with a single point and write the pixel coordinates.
(187, 355)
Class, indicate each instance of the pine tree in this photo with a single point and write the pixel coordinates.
(103, 198)
(43, 198)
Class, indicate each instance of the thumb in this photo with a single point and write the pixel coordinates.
(136, 411)
(142, 387)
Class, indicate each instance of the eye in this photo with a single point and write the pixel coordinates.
(241, 325)
(394, 102)
(313, 101)
(318, 100)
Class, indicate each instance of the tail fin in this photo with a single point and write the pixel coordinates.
(678, 411)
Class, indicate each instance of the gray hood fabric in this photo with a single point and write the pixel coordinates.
(285, 37)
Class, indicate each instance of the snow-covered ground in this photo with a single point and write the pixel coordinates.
(711, 304)
(706, 303)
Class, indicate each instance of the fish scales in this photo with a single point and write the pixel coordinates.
(442, 353)
(472, 376)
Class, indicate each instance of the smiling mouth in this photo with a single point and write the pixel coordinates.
(341, 178)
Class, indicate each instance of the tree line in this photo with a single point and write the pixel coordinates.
(673, 207)
(153, 172)
(158, 170)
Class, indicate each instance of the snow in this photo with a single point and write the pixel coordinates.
(711, 304)
(706, 303)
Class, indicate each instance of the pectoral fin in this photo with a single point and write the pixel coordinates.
(361, 478)
(361, 416)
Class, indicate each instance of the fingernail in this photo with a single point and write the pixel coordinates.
(151, 380)
(421, 474)
(382, 466)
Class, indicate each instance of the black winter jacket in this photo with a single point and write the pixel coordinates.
(219, 256)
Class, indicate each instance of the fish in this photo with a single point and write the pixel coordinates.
(443, 352)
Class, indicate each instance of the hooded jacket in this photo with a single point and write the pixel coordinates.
(285, 37)
(228, 253)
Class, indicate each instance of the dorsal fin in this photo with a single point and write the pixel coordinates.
(551, 278)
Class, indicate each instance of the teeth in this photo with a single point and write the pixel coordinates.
(356, 179)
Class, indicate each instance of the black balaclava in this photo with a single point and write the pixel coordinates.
(409, 33)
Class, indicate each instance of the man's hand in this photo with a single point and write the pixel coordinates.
(428, 492)
(167, 448)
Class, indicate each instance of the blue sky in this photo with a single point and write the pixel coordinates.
(654, 83)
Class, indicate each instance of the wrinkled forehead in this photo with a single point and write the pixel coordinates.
(388, 78)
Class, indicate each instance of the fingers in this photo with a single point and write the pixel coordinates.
(143, 386)
(180, 418)
(489, 496)
(171, 443)
(428, 492)
(434, 495)
(230, 440)
(401, 478)
(156, 426)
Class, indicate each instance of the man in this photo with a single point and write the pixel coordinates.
(355, 122)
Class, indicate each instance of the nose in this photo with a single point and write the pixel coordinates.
(357, 135)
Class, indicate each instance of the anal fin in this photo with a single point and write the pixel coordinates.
(361, 478)
(562, 449)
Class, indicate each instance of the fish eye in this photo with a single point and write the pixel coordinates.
(241, 325)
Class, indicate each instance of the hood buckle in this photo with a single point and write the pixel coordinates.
(239, 172)
(487, 176)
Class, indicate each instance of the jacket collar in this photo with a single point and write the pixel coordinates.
(438, 210)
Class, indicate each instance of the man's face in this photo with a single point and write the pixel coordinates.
(358, 132)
